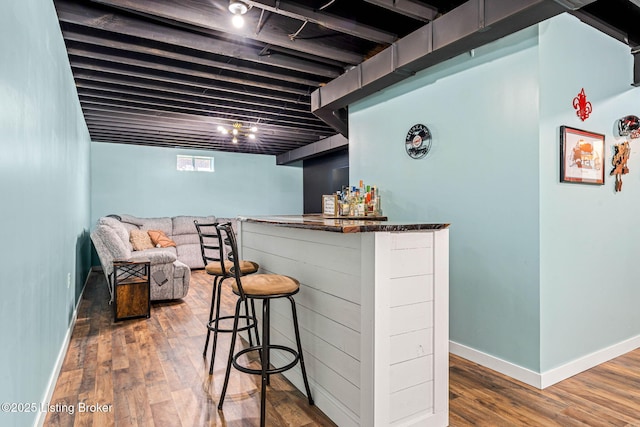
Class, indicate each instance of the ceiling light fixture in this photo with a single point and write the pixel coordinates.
(238, 130)
(238, 8)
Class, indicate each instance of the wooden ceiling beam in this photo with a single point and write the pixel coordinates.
(79, 64)
(127, 99)
(124, 102)
(174, 70)
(213, 17)
(183, 87)
(303, 132)
(90, 17)
(109, 124)
(212, 103)
(76, 37)
(132, 133)
(335, 23)
(412, 9)
(225, 145)
(187, 146)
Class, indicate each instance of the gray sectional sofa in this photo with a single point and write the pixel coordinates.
(170, 266)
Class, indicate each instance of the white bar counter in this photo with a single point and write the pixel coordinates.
(373, 310)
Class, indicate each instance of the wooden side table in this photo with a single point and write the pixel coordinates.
(131, 286)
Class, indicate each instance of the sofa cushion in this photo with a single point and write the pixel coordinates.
(156, 255)
(182, 239)
(113, 243)
(184, 224)
(140, 240)
(191, 255)
(130, 219)
(162, 224)
(128, 226)
(159, 239)
(119, 229)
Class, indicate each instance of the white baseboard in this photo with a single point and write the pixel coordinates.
(53, 379)
(560, 373)
(512, 370)
(552, 376)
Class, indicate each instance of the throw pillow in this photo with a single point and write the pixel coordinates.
(160, 240)
(140, 240)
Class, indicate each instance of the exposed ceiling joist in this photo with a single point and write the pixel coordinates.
(201, 15)
(413, 9)
(168, 72)
(74, 13)
(342, 25)
(123, 47)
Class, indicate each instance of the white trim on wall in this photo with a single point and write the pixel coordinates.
(53, 379)
(499, 365)
(552, 376)
(589, 361)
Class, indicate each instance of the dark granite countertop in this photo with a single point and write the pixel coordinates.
(319, 222)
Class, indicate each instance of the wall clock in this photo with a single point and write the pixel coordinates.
(418, 141)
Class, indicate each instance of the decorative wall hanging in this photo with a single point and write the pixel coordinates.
(582, 106)
(629, 126)
(581, 155)
(418, 141)
(619, 162)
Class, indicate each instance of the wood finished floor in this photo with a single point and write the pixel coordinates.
(152, 373)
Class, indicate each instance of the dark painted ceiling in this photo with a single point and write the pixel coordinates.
(169, 72)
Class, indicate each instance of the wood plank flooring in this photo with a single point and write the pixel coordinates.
(150, 372)
(606, 395)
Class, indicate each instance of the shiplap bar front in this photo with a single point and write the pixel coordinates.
(373, 310)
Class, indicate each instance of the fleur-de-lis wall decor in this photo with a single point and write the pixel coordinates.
(582, 106)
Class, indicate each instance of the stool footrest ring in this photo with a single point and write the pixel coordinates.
(269, 371)
(212, 325)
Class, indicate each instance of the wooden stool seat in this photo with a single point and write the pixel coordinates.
(266, 285)
(246, 267)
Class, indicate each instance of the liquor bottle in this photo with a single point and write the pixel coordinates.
(352, 202)
(375, 202)
(370, 200)
(360, 206)
(344, 201)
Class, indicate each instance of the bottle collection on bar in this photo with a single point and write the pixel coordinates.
(359, 201)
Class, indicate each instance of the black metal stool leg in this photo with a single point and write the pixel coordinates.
(255, 327)
(266, 339)
(217, 326)
(246, 312)
(297, 332)
(230, 360)
(213, 298)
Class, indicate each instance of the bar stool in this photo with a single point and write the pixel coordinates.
(212, 251)
(263, 287)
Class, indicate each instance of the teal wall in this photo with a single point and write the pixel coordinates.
(481, 176)
(590, 236)
(542, 273)
(143, 181)
(44, 214)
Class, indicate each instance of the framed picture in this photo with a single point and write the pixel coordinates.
(330, 205)
(581, 156)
